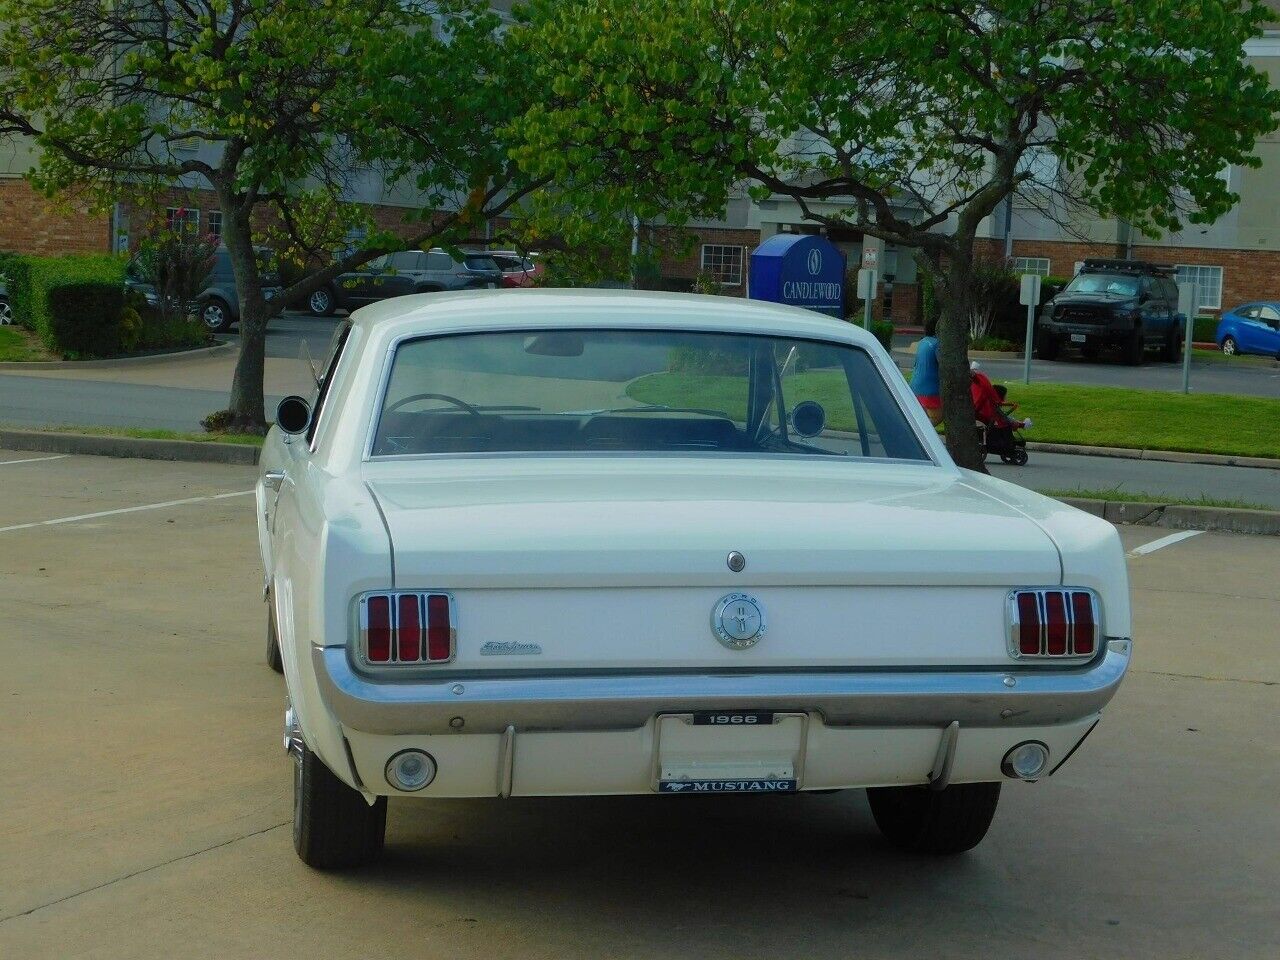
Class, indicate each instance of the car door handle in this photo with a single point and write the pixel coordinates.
(272, 479)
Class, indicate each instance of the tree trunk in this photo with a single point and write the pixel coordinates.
(246, 408)
(955, 296)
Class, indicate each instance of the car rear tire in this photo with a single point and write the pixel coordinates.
(333, 826)
(321, 302)
(1229, 346)
(6, 313)
(1170, 351)
(1049, 347)
(274, 660)
(216, 315)
(1135, 349)
(938, 822)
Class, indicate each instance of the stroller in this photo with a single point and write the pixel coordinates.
(998, 432)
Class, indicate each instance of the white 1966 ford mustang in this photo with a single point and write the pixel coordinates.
(534, 543)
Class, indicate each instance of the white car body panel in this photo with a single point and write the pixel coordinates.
(883, 581)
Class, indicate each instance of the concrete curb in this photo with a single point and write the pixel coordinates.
(105, 446)
(226, 346)
(1169, 456)
(1182, 516)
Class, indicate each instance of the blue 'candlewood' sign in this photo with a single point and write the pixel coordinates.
(799, 270)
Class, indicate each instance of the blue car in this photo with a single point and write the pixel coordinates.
(1253, 328)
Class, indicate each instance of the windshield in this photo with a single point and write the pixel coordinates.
(651, 391)
(1115, 284)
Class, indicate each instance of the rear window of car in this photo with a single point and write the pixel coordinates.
(638, 391)
(477, 262)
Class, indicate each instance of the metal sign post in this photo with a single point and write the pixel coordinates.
(867, 293)
(1030, 297)
(1187, 307)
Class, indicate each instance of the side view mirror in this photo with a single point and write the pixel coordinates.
(293, 415)
(808, 418)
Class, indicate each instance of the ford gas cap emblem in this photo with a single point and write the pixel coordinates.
(738, 621)
(737, 562)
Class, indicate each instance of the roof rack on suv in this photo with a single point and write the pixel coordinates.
(1128, 266)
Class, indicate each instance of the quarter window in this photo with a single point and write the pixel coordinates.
(724, 263)
(1208, 281)
(1036, 265)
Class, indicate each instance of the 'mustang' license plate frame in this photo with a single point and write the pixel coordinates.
(729, 751)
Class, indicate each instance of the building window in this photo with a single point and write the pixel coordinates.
(1036, 265)
(724, 263)
(182, 219)
(215, 222)
(1208, 281)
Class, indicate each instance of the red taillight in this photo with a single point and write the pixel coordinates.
(378, 631)
(408, 627)
(439, 627)
(393, 629)
(1028, 624)
(1054, 623)
(1084, 640)
(1055, 617)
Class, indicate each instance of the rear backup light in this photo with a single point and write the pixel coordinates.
(1053, 624)
(404, 628)
(411, 770)
(1026, 761)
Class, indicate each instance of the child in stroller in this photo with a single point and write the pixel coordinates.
(999, 431)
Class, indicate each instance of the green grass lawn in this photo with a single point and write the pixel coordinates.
(244, 439)
(20, 346)
(1062, 413)
(1245, 359)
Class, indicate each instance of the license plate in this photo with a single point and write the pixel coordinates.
(732, 718)
(727, 786)
(1078, 338)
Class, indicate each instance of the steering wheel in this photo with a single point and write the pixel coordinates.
(460, 404)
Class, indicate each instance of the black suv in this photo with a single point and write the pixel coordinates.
(1114, 303)
(409, 271)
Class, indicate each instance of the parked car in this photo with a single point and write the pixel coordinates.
(1114, 303)
(6, 311)
(1253, 328)
(518, 269)
(409, 271)
(658, 543)
(218, 304)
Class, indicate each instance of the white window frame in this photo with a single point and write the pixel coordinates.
(190, 220)
(1198, 273)
(215, 223)
(1041, 266)
(722, 276)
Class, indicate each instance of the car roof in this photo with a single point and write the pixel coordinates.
(478, 310)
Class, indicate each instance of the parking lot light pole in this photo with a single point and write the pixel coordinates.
(1186, 306)
(1030, 297)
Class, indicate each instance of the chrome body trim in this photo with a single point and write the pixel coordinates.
(874, 698)
(506, 761)
(940, 775)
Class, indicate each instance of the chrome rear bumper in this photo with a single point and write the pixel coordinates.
(1016, 697)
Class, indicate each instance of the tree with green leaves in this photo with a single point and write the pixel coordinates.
(293, 100)
(908, 120)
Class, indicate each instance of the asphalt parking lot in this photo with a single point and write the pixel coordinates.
(146, 797)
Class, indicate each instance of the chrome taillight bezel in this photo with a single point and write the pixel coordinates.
(1013, 623)
(361, 618)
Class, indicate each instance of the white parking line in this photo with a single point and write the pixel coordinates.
(112, 513)
(9, 463)
(1163, 542)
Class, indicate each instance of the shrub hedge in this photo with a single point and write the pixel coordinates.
(73, 303)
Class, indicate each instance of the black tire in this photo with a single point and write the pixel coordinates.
(6, 312)
(274, 660)
(1171, 349)
(215, 315)
(1230, 347)
(939, 822)
(333, 827)
(1020, 458)
(322, 302)
(1049, 347)
(1135, 349)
